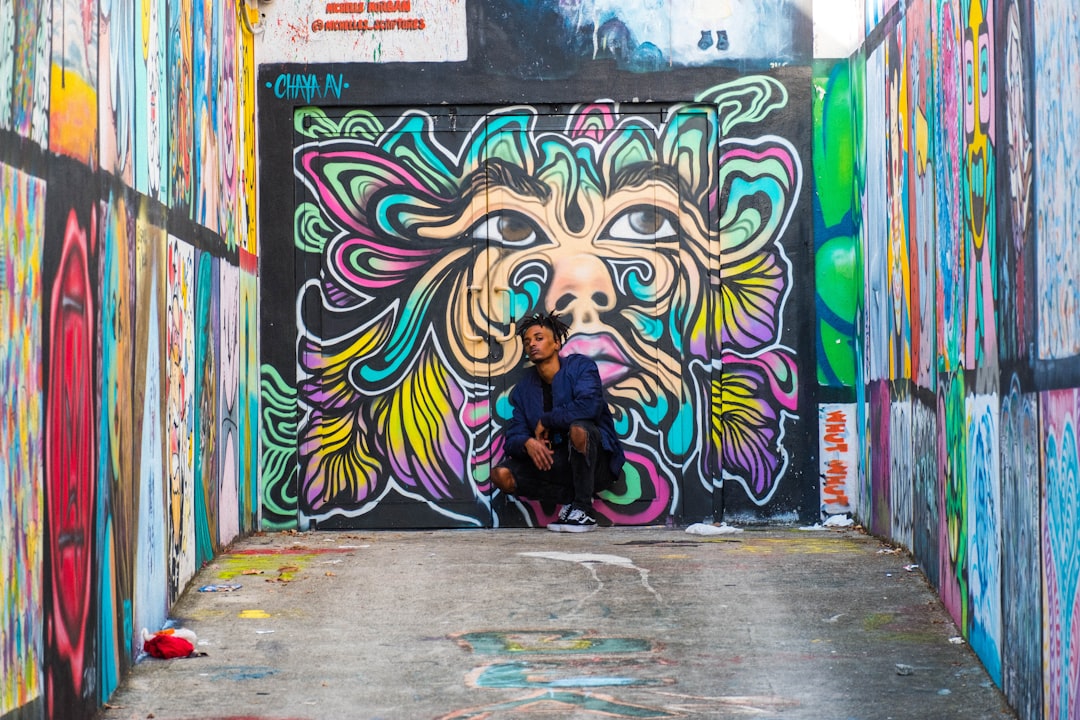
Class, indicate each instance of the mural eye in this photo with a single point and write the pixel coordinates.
(507, 229)
(969, 84)
(984, 78)
(642, 223)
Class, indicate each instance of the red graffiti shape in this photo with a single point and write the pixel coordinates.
(69, 485)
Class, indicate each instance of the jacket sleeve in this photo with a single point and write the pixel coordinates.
(517, 432)
(586, 396)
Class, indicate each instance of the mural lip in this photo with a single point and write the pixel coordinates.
(604, 350)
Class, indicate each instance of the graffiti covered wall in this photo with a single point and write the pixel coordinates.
(397, 320)
(541, 38)
(21, 437)
(670, 233)
(965, 352)
(101, 524)
(687, 322)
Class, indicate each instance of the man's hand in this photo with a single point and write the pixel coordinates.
(540, 452)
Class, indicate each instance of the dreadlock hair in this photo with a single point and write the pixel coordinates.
(551, 321)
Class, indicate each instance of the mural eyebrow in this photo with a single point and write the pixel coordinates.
(641, 173)
(499, 173)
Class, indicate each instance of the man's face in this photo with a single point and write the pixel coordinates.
(540, 344)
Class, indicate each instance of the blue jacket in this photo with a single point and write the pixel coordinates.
(576, 394)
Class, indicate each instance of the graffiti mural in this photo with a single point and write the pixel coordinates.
(151, 585)
(7, 64)
(1060, 536)
(878, 491)
(901, 470)
(875, 235)
(180, 412)
(978, 182)
(277, 451)
(1016, 223)
(922, 194)
(248, 394)
(206, 176)
(897, 253)
(205, 445)
(228, 160)
(116, 93)
(952, 500)
(1021, 581)
(587, 214)
(24, 74)
(70, 498)
(875, 11)
(246, 236)
(836, 210)
(925, 510)
(96, 490)
(73, 88)
(181, 122)
(227, 481)
(1057, 114)
(984, 531)
(21, 442)
(947, 145)
(117, 496)
(839, 459)
(553, 38)
(150, 147)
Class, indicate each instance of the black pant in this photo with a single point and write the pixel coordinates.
(574, 477)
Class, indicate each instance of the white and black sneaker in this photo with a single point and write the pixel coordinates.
(576, 520)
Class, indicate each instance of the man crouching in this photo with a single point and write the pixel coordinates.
(560, 444)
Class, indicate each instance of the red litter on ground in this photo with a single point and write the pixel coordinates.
(168, 644)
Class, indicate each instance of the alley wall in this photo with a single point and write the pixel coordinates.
(128, 361)
(947, 261)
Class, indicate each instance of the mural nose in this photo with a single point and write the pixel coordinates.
(582, 289)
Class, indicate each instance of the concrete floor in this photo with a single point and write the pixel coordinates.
(617, 623)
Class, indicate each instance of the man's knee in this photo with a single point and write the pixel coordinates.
(503, 479)
(579, 438)
(581, 434)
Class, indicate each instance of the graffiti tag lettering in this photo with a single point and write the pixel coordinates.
(309, 87)
(839, 459)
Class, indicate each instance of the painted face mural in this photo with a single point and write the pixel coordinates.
(979, 183)
(978, 119)
(654, 236)
(69, 466)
